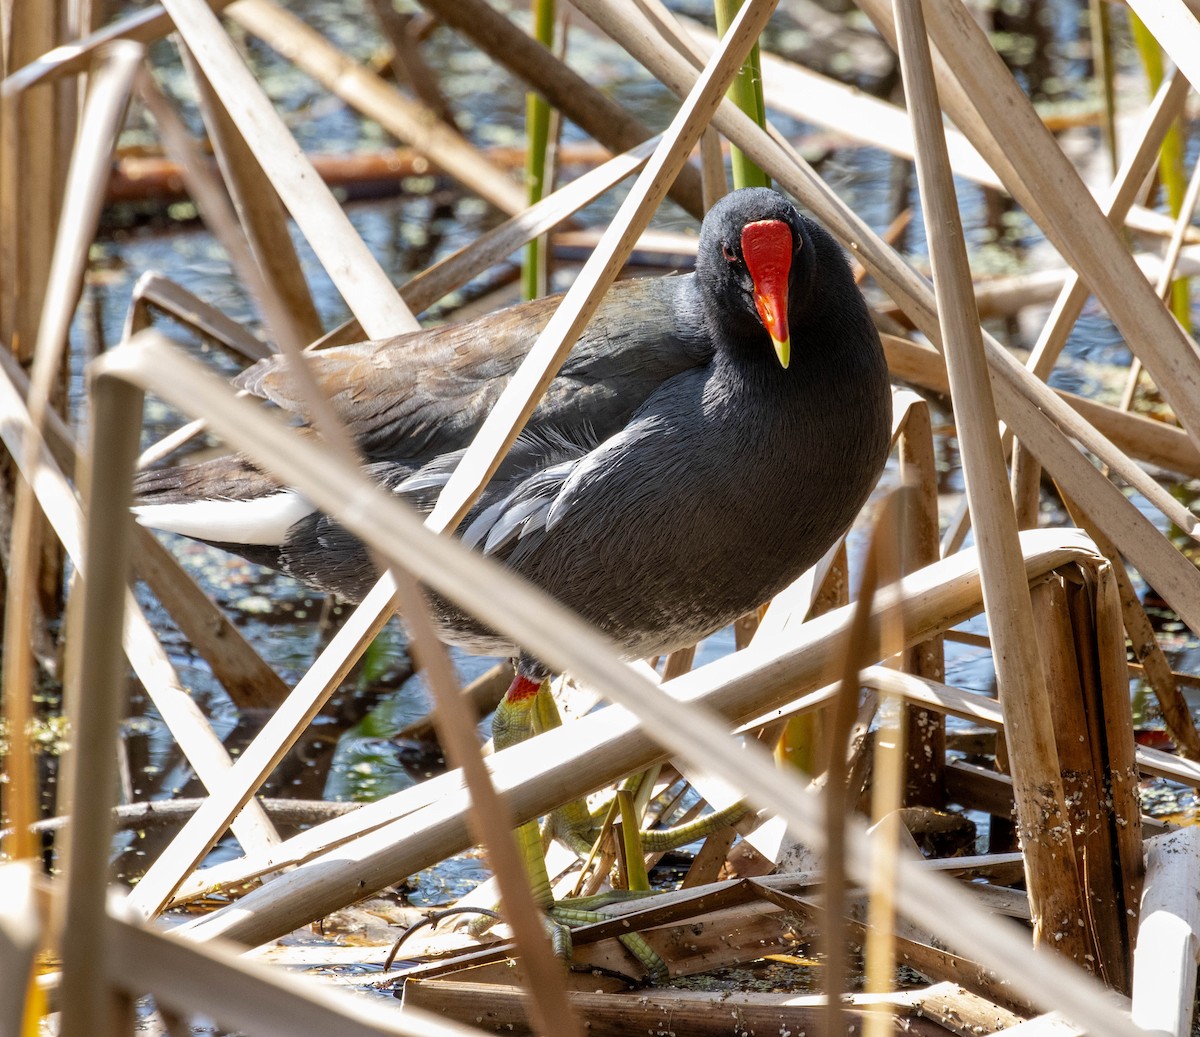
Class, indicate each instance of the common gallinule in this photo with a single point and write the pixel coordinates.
(686, 464)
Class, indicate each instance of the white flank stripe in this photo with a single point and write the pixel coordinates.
(263, 520)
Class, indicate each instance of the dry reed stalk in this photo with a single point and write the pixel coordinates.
(276, 281)
(1162, 111)
(207, 321)
(1146, 650)
(983, 710)
(366, 288)
(936, 964)
(567, 91)
(1160, 115)
(716, 938)
(1168, 937)
(1158, 764)
(1153, 442)
(1116, 762)
(1055, 894)
(89, 1004)
(1067, 634)
(202, 185)
(567, 644)
(32, 182)
(489, 819)
(712, 169)
(925, 741)
(882, 565)
(53, 63)
(850, 112)
(888, 832)
(253, 997)
(58, 292)
(188, 725)
(1042, 177)
(20, 934)
(368, 93)
(408, 63)
(935, 695)
(1176, 29)
(695, 1013)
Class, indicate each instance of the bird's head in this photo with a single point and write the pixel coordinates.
(754, 264)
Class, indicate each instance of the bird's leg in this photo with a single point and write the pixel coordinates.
(514, 721)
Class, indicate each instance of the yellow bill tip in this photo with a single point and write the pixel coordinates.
(783, 350)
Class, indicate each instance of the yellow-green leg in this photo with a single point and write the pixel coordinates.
(513, 722)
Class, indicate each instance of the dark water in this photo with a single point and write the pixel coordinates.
(351, 752)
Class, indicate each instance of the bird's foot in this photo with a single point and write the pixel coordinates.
(568, 916)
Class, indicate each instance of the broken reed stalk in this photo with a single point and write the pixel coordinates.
(1054, 890)
(1168, 936)
(1078, 725)
(1143, 643)
(925, 734)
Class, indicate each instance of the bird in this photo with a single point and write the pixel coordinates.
(709, 437)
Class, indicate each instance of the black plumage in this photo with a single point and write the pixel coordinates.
(675, 476)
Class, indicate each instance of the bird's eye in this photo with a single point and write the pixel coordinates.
(728, 252)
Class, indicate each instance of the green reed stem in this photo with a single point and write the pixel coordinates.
(747, 93)
(537, 133)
